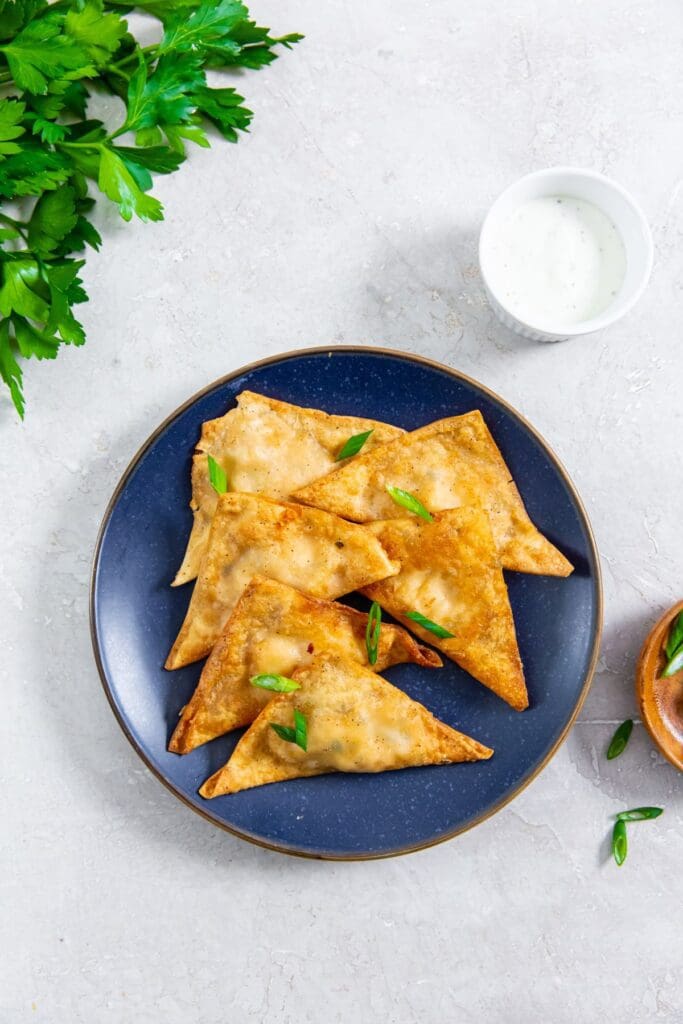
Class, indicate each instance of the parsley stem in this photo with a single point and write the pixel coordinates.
(18, 224)
(80, 145)
(146, 50)
(111, 69)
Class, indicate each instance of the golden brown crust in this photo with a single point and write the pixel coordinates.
(357, 722)
(267, 447)
(447, 464)
(450, 573)
(275, 628)
(311, 550)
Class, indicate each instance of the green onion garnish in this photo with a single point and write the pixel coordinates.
(433, 627)
(298, 734)
(372, 632)
(674, 648)
(217, 476)
(675, 638)
(674, 665)
(409, 501)
(279, 684)
(640, 814)
(619, 842)
(300, 729)
(620, 739)
(285, 732)
(353, 445)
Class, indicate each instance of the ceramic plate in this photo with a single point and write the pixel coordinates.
(136, 615)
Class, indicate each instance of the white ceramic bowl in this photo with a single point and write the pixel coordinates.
(615, 202)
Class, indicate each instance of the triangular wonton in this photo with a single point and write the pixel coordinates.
(450, 573)
(267, 447)
(309, 549)
(356, 722)
(447, 464)
(273, 629)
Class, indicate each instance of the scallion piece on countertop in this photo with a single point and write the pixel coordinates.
(619, 842)
(352, 446)
(278, 684)
(640, 814)
(410, 502)
(372, 632)
(620, 739)
(433, 627)
(217, 476)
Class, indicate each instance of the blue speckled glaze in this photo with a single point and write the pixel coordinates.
(136, 615)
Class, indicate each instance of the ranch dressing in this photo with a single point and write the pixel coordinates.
(556, 260)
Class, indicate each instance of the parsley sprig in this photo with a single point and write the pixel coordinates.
(53, 157)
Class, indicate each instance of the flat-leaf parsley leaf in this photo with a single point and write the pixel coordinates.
(53, 157)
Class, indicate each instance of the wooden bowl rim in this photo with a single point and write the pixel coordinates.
(644, 686)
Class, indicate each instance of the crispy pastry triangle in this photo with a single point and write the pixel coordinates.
(356, 722)
(446, 464)
(309, 549)
(267, 447)
(450, 573)
(273, 629)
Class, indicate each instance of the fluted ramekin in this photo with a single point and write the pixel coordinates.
(616, 203)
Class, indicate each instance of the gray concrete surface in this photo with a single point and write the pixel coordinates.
(350, 214)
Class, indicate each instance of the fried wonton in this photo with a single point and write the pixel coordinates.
(450, 573)
(267, 447)
(312, 550)
(274, 629)
(447, 464)
(355, 722)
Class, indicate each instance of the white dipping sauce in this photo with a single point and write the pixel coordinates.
(556, 260)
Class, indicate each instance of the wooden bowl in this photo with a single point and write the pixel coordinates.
(661, 700)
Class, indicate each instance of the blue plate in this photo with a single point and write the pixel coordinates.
(135, 616)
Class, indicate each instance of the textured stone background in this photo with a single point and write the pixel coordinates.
(350, 214)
